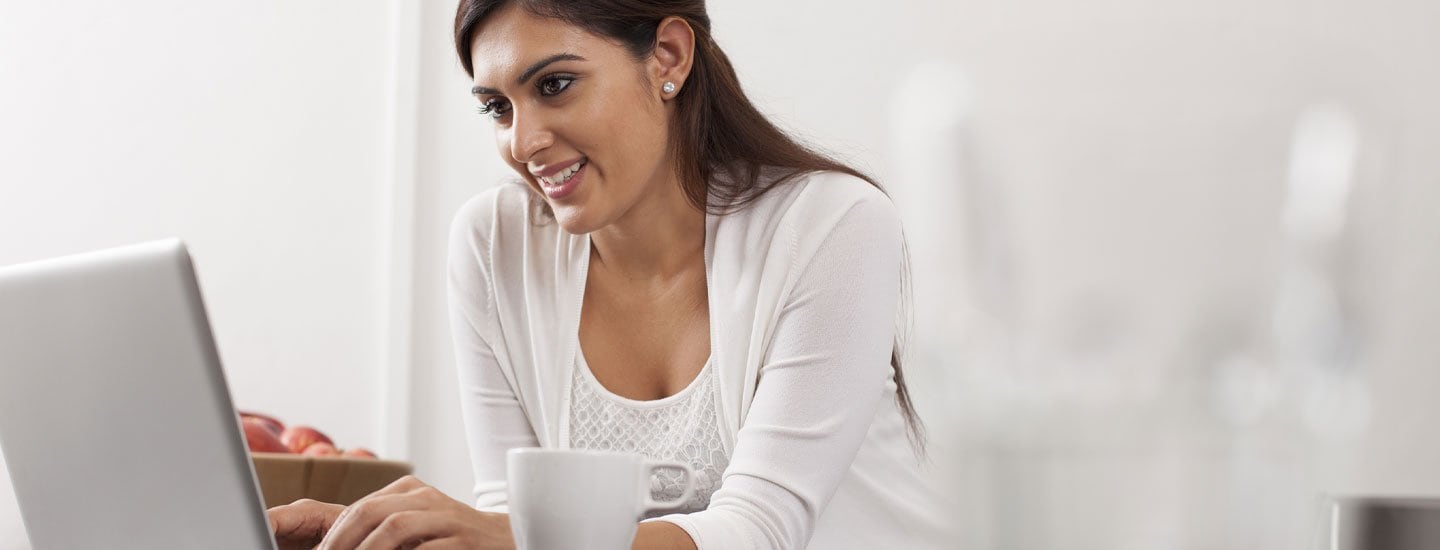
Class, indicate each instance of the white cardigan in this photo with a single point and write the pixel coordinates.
(804, 288)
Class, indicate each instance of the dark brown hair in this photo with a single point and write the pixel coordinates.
(726, 153)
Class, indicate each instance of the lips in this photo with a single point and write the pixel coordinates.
(559, 178)
(566, 184)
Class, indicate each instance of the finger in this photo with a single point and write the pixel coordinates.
(365, 515)
(449, 543)
(399, 486)
(407, 483)
(301, 520)
(403, 527)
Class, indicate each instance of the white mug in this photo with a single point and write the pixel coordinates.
(564, 499)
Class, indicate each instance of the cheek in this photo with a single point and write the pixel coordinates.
(594, 127)
(627, 136)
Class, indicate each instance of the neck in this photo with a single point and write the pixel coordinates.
(660, 237)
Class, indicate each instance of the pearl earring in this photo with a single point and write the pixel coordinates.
(668, 88)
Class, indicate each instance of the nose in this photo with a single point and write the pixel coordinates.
(529, 134)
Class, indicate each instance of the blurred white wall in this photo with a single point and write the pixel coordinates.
(256, 131)
(1127, 385)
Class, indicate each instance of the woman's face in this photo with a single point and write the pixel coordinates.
(570, 104)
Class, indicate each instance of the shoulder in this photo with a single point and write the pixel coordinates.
(838, 195)
(843, 215)
(786, 227)
(489, 212)
(505, 220)
(493, 229)
(814, 205)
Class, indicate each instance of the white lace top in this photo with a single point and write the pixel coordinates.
(683, 427)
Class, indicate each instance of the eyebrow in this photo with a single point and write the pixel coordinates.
(530, 72)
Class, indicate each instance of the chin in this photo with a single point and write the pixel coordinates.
(573, 220)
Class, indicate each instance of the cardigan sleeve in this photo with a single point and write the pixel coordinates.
(493, 417)
(818, 391)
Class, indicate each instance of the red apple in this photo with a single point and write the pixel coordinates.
(321, 448)
(297, 438)
(358, 452)
(259, 437)
(271, 422)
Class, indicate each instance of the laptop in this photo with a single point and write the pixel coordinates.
(115, 419)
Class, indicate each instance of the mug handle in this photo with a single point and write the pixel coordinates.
(650, 467)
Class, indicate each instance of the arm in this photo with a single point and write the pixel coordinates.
(662, 535)
(494, 420)
(819, 388)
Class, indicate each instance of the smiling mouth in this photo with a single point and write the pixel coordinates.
(559, 178)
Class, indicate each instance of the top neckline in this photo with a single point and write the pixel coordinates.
(584, 368)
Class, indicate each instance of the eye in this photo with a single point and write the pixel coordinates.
(554, 84)
(495, 107)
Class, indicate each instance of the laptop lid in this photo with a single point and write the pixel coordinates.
(115, 419)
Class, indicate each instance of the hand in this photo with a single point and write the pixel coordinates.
(301, 524)
(410, 514)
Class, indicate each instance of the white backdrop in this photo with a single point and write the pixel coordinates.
(1094, 194)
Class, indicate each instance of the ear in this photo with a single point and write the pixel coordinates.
(673, 56)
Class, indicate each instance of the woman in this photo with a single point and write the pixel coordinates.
(674, 277)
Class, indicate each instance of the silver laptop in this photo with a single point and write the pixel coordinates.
(115, 419)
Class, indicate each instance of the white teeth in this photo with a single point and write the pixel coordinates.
(563, 175)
